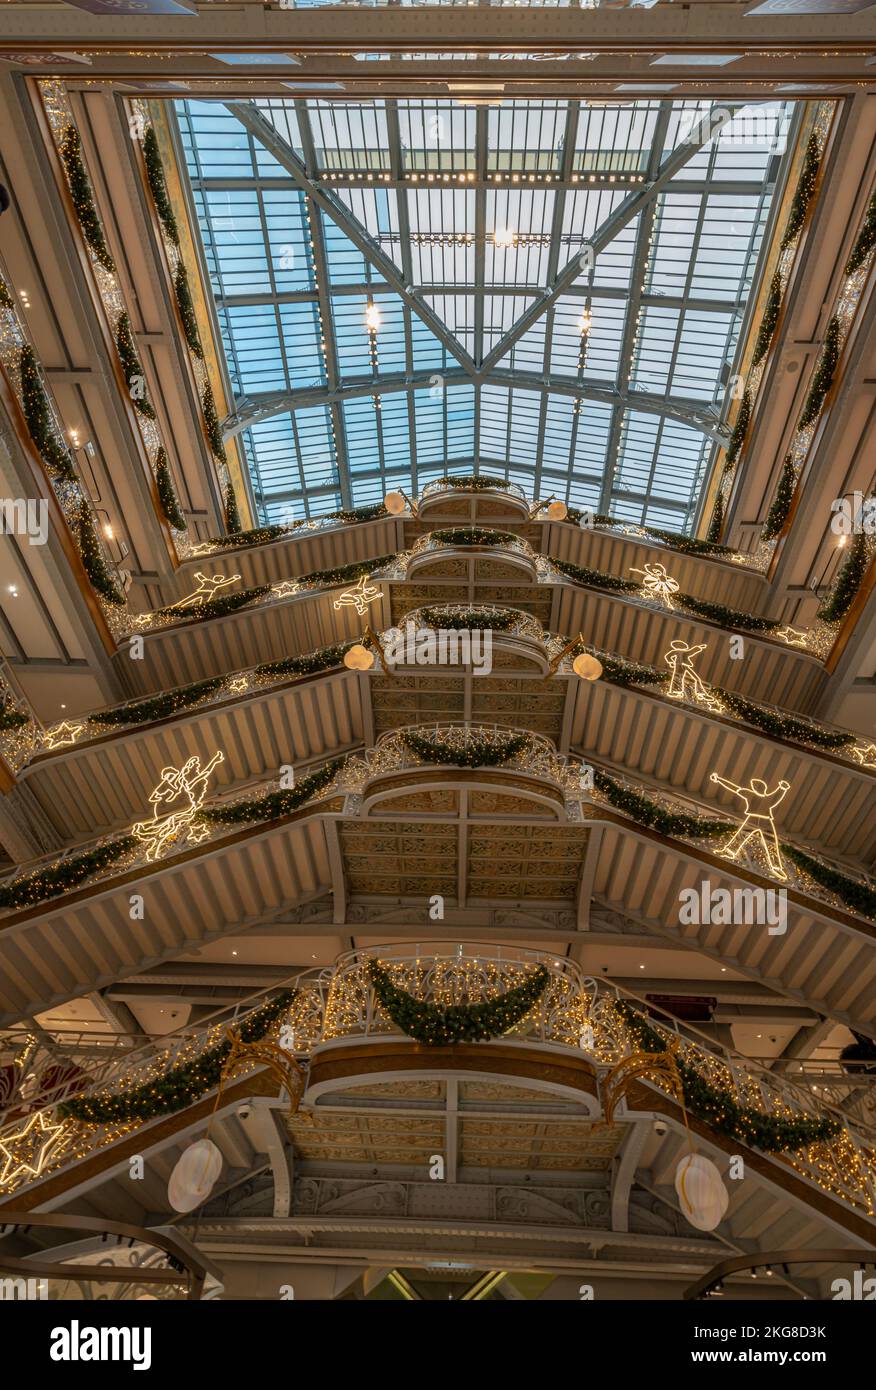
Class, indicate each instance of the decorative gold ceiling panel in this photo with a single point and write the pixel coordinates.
(495, 1092)
(400, 1090)
(443, 567)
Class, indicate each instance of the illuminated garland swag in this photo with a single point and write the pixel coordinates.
(158, 185)
(179, 1087)
(824, 374)
(273, 804)
(167, 493)
(473, 535)
(477, 752)
(470, 619)
(803, 192)
(865, 240)
(716, 612)
(6, 300)
(38, 418)
(11, 718)
(718, 1108)
(474, 482)
(320, 660)
(187, 311)
(157, 706)
(781, 505)
(769, 320)
(93, 561)
(67, 874)
(217, 607)
(441, 1027)
(783, 726)
(849, 581)
(132, 368)
(70, 150)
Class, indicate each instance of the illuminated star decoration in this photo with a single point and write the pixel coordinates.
(28, 1150)
(208, 587)
(286, 589)
(363, 594)
(238, 685)
(175, 803)
(657, 584)
(62, 733)
(791, 636)
(758, 824)
(865, 754)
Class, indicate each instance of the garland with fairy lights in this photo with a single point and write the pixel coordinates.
(803, 192)
(849, 581)
(740, 428)
(469, 619)
(211, 424)
(11, 718)
(594, 579)
(688, 545)
(769, 320)
(781, 505)
(67, 874)
(167, 492)
(342, 573)
(93, 561)
(647, 812)
(619, 671)
(263, 535)
(259, 535)
(864, 241)
(232, 511)
(320, 660)
(6, 300)
(217, 607)
(187, 312)
(273, 804)
(39, 420)
(158, 185)
(823, 379)
(723, 616)
(473, 535)
(442, 1027)
(70, 150)
(860, 897)
(180, 1086)
(132, 368)
(473, 482)
(716, 524)
(783, 726)
(717, 1107)
(157, 706)
(477, 751)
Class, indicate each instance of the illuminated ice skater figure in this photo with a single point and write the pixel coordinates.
(657, 583)
(208, 587)
(685, 683)
(363, 594)
(758, 823)
(175, 801)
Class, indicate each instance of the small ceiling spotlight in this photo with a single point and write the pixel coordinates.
(503, 237)
(373, 317)
(585, 322)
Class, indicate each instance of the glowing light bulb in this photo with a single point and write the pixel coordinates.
(585, 322)
(373, 318)
(587, 667)
(358, 658)
(503, 237)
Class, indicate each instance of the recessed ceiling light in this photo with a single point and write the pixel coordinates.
(694, 60)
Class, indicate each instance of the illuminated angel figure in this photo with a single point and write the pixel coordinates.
(657, 583)
(685, 683)
(758, 824)
(363, 594)
(208, 587)
(175, 802)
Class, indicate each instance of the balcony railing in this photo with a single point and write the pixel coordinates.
(575, 1013)
(461, 485)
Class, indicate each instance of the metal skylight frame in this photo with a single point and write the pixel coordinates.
(535, 358)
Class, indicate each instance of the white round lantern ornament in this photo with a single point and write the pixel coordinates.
(704, 1198)
(194, 1176)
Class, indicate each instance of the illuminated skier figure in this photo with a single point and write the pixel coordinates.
(758, 823)
(685, 682)
(657, 583)
(175, 801)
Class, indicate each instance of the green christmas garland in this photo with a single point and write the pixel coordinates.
(11, 718)
(473, 482)
(442, 1027)
(187, 311)
(214, 432)
(783, 726)
(803, 192)
(718, 1108)
(823, 379)
(858, 896)
(740, 428)
(848, 582)
(263, 535)
(343, 573)
(781, 506)
(769, 320)
(321, 660)
(64, 876)
(723, 616)
(470, 619)
(6, 300)
(167, 493)
(272, 805)
(232, 512)
(473, 535)
(716, 524)
(478, 752)
(157, 706)
(259, 535)
(594, 579)
(95, 565)
(688, 545)
(621, 672)
(132, 368)
(39, 420)
(70, 150)
(217, 607)
(646, 812)
(179, 1087)
(158, 186)
(864, 241)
